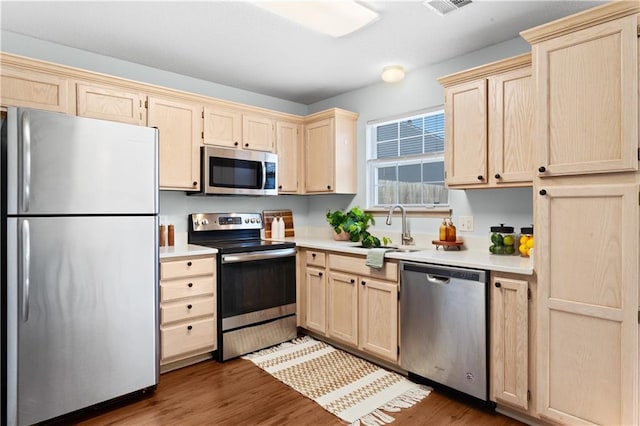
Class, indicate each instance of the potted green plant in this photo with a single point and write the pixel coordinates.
(353, 225)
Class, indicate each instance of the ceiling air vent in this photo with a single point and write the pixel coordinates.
(442, 7)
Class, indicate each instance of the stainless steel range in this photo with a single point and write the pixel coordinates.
(256, 282)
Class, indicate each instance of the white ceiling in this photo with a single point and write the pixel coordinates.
(237, 44)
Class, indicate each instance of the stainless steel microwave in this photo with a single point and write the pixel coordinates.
(226, 171)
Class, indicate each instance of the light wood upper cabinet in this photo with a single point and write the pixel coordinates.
(288, 149)
(587, 262)
(587, 114)
(466, 133)
(109, 103)
(510, 341)
(222, 127)
(33, 89)
(233, 128)
(489, 125)
(258, 133)
(180, 127)
(330, 149)
(511, 119)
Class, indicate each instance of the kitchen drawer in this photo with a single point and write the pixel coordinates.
(357, 265)
(186, 309)
(315, 258)
(187, 268)
(186, 287)
(187, 337)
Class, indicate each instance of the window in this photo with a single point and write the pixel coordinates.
(406, 161)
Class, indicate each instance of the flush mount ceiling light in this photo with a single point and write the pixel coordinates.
(334, 18)
(392, 73)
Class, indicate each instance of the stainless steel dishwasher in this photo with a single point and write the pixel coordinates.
(443, 322)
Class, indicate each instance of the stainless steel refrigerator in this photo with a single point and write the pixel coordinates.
(79, 263)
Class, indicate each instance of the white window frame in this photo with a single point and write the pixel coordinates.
(373, 163)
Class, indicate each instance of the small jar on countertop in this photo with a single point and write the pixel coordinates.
(503, 240)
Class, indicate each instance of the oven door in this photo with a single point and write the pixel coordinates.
(256, 287)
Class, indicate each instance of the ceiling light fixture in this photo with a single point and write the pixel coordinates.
(334, 18)
(392, 73)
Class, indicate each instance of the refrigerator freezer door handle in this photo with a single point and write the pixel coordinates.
(26, 260)
(26, 161)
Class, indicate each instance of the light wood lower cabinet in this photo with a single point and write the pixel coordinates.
(512, 341)
(187, 310)
(354, 304)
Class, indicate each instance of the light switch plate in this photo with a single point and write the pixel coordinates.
(465, 223)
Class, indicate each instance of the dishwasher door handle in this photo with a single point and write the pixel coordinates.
(437, 280)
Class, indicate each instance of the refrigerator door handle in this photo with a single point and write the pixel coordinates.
(25, 259)
(26, 161)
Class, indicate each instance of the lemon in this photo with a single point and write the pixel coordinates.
(524, 239)
(530, 243)
(523, 249)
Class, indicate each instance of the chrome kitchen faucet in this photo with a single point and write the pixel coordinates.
(407, 239)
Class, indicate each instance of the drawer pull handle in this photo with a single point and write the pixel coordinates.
(313, 255)
(189, 327)
(498, 285)
(352, 281)
(189, 306)
(190, 285)
(189, 263)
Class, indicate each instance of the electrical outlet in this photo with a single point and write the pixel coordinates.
(465, 223)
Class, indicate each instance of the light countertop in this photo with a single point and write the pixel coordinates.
(181, 250)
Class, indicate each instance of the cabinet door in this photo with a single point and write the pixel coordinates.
(222, 127)
(316, 316)
(258, 133)
(509, 342)
(343, 307)
(511, 109)
(587, 263)
(379, 318)
(179, 124)
(110, 104)
(288, 150)
(466, 134)
(319, 164)
(588, 90)
(33, 89)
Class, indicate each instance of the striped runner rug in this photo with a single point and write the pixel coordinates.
(351, 388)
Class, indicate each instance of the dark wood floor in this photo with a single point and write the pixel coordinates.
(237, 392)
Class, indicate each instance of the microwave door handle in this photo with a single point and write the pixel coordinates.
(264, 175)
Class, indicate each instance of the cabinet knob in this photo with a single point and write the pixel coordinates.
(498, 285)
(246, 145)
(543, 192)
(235, 143)
(480, 177)
(189, 263)
(313, 255)
(329, 187)
(195, 183)
(497, 176)
(319, 274)
(189, 306)
(352, 281)
(189, 327)
(190, 285)
(542, 169)
(363, 282)
(279, 186)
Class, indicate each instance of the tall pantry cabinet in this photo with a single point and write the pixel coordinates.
(587, 215)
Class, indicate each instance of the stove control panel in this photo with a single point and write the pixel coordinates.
(225, 221)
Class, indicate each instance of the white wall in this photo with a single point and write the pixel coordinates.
(419, 90)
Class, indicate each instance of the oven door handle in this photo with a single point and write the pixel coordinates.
(258, 255)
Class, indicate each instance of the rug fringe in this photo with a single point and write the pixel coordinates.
(277, 348)
(406, 400)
